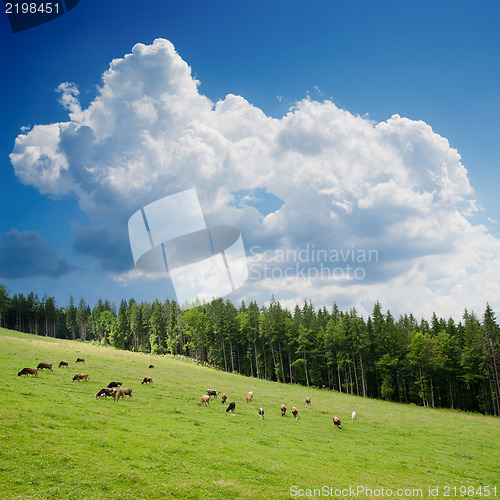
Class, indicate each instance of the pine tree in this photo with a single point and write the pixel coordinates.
(492, 339)
(71, 317)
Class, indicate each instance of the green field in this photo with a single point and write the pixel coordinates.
(57, 442)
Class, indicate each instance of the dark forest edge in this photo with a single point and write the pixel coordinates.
(437, 363)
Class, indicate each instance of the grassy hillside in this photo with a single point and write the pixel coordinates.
(57, 442)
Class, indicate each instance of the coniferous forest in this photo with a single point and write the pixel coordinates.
(434, 362)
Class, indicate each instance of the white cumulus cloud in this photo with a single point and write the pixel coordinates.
(394, 187)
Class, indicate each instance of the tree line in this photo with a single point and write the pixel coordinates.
(436, 363)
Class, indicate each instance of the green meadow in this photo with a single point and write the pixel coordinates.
(57, 442)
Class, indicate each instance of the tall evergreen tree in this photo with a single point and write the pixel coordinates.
(5, 304)
(71, 317)
(492, 340)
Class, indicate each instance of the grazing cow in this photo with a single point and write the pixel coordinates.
(147, 380)
(81, 376)
(295, 412)
(353, 416)
(250, 395)
(261, 413)
(80, 360)
(63, 363)
(231, 407)
(107, 391)
(47, 366)
(283, 410)
(223, 397)
(124, 392)
(308, 401)
(151, 366)
(204, 400)
(337, 422)
(248, 399)
(212, 392)
(28, 371)
(114, 384)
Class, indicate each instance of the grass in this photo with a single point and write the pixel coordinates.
(57, 442)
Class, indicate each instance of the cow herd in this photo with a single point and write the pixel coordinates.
(116, 391)
(48, 366)
(205, 401)
(113, 390)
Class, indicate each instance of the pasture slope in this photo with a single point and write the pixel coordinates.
(57, 442)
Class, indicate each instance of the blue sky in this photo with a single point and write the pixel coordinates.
(433, 63)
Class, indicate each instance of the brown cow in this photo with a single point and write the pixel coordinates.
(147, 380)
(248, 399)
(124, 392)
(204, 400)
(28, 371)
(81, 376)
(231, 407)
(337, 422)
(295, 412)
(212, 392)
(223, 397)
(80, 360)
(114, 384)
(261, 413)
(63, 363)
(107, 391)
(308, 401)
(283, 410)
(47, 366)
(250, 394)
